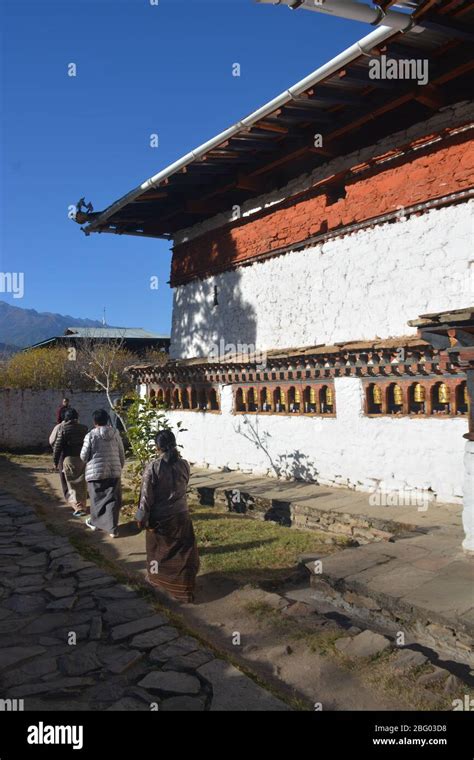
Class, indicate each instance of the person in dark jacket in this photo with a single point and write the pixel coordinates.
(61, 411)
(172, 554)
(104, 456)
(66, 456)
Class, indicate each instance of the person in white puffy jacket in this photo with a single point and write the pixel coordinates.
(104, 456)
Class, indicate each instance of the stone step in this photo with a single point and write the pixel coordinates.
(390, 588)
(355, 526)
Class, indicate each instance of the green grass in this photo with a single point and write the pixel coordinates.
(248, 549)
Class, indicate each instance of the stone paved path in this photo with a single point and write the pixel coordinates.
(73, 638)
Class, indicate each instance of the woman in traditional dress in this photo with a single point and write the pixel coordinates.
(104, 455)
(172, 555)
(66, 456)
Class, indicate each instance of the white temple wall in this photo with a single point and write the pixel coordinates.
(356, 287)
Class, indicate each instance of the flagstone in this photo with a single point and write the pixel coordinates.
(12, 655)
(25, 603)
(65, 603)
(80, 661)
(56, 687)
(125, 611)
(182, 704)
(171, 682)
(154, 638)
(119, 659)
(61, 590)
(234, 691)
(191, 661)
(137, 626)
(32, 670)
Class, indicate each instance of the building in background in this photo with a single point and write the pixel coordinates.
(134, 339)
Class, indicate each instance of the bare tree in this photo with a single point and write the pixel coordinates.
(104, 363)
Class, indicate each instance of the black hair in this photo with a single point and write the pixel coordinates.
(166, 441)
(71, 414)
(101, 417)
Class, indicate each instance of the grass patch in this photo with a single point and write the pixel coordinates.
(250, 550)
(322, 642)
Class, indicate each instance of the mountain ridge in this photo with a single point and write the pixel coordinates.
(23, 327)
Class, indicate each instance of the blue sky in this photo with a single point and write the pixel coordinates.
(141, 69)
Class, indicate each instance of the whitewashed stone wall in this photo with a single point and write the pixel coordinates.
(27, 416)
(387, 454)
(361, 286)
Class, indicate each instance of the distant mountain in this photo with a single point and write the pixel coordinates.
(22, 327)
(7, 350)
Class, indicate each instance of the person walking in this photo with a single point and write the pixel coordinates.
(61, 411)
(172, 554)
(104, 456)
(66, 456)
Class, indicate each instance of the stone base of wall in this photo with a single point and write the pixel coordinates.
(387, 613)
(356, 529)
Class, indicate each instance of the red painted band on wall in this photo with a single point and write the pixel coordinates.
(439, 170)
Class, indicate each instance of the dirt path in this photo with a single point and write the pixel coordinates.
(287, 646)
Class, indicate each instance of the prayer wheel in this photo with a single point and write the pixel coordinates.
(397, 396)
(443, 394)
(312, 395)
(329, 396)
(377, 395)
(419, 394)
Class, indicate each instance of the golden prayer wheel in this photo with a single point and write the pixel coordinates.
(377, 395)
(397, 395)
(329, 396)
(466, 397)
(419, 394)
(312, 395)
(297, 396)
(443, 394)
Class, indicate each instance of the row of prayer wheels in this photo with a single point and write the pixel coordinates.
(286, 399)
(443, 395)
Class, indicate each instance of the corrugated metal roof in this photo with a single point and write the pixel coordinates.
(112, 332)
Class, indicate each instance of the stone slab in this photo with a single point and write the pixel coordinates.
(171, 682)
(235, 692)
(126, 630)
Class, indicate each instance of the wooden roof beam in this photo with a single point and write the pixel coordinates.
(273, 127)
(153, 196)
(430, 96)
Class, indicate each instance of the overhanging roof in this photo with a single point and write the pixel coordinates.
(347, 107)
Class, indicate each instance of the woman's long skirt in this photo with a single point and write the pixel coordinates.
(106, 500)
(73, 468)
(172, 556)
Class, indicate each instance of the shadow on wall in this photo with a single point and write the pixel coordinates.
(297, 466)
(292, 466)
(212, 315)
